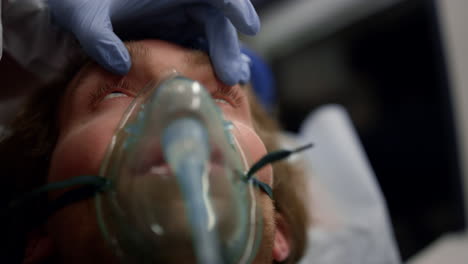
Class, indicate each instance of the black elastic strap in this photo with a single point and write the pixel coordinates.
(264, 187)
(90, 185)
(72, 196)
(273, 157)
(268, 159)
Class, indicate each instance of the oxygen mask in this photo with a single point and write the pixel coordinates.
(178, 180)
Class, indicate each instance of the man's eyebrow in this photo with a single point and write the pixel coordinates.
(135, 49)
(197, 58)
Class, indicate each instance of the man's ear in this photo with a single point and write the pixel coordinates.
(282, 240)
(39, 248)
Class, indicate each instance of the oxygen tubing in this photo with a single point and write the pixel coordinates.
(187, 151)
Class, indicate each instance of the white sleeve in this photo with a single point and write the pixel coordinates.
(350, 222)
(30, 38)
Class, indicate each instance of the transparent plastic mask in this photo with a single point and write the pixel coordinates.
(159, 211)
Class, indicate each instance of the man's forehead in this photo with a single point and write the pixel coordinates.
(138, 52)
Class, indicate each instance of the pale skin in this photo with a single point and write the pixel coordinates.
(87, 122)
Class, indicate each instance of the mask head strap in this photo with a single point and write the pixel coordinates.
(269, 159)
(90, 185)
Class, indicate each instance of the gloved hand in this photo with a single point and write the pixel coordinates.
(213, 23)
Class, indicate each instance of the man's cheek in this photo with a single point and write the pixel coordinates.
(80, 152)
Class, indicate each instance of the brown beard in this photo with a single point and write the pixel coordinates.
(264, 255)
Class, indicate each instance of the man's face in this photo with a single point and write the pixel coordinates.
(90, 111)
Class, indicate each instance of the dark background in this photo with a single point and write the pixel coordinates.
(389, 71)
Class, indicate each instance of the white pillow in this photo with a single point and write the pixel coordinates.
(350, 224)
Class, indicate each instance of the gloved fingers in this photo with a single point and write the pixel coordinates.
(230, 65)
(241, 13)
(96, 36)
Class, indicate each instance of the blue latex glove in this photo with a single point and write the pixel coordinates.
(210, 24)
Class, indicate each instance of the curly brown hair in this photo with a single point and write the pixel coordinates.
(26, 150)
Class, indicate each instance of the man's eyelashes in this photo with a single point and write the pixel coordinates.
(102, 92)
(124, 88)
